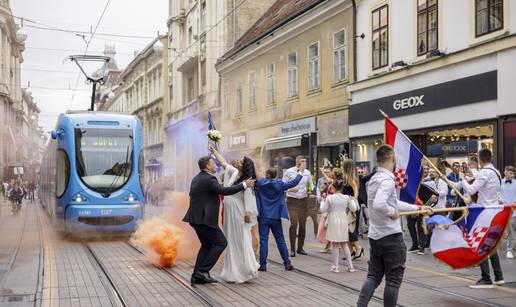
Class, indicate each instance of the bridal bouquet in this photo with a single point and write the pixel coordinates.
(214, 135)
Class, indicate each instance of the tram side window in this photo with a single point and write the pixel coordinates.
(62, 172)
(141, 169)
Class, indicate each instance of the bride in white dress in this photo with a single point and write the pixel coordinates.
(240, 214)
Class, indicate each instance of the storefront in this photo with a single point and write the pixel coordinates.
(332, 138)
(294, 138)
(447, 118)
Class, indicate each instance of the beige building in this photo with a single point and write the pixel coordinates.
(200, 31)
(141, 92)
(14, 108)
(284, 84)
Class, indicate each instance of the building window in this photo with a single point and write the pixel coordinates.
(313, 66)
(488, 16)
(380, 42)
(427, 26)
(339, 56)
(252, 91)
(225, 103)
(292, 74)
(239, 99)
(271, 83)
(203, 16)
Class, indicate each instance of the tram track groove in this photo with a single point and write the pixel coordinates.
(114, 294)
(201, 295)
(421, 285)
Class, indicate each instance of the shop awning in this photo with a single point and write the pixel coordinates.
(283, 142)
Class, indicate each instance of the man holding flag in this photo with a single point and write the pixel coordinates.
(487, 184)
(388, 250)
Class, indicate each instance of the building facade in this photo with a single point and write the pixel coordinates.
(18, 113)
(141, 92)
(444, 72)
(198, 36)
(284, 85)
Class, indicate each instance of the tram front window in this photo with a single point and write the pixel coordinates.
(104, 157)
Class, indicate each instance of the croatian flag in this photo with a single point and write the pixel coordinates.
(409, 161)
(471, 240)
(211, 126)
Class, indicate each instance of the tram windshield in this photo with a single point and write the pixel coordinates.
(104, 157)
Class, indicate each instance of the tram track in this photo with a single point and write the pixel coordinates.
(201, 295)
(422, 285)
(114, 293)
(329, 281)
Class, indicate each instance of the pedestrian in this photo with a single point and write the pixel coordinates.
(203, 217)
(414, 222)
(270, 197)
(508, 196)
(350, 187)
(297, 204)
(453, 199)
(322, 191)
(337, 206)
(487, 184)
(387, 247)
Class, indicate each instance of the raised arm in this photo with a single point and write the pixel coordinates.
(214, 186)
(217, 155)
(292, 183)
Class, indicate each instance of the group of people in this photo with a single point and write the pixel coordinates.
(18, 189)
(340, 195)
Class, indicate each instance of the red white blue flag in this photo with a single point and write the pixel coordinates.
(471, 240)
(409, 161)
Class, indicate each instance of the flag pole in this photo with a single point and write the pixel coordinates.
(417, 212)
(448, 182)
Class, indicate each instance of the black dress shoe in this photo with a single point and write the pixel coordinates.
(197, 280)
(262, 268)
(209, 279)
(292, 254)
(289, 267)
(302, 252)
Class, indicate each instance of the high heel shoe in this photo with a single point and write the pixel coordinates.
(359, 255)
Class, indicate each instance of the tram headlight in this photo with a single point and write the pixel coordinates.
(80, 199)
(130, 197)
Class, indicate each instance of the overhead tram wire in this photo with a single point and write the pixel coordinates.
(46, 27)
(86, 50)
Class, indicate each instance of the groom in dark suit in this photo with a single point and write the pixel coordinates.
(203, 216)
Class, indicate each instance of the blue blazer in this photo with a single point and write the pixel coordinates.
(270, 197)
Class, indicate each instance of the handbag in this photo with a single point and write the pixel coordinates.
(352, 216)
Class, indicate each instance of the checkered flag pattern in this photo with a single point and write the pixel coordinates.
(475, 237)
(401, 178)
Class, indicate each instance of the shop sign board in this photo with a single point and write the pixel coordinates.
(238, 140)
(468, 90)
(301, 126)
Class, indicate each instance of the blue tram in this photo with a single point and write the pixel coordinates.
(92, 172)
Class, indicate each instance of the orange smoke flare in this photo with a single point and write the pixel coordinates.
(160, 240)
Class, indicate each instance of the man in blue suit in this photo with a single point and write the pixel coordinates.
(270, 198)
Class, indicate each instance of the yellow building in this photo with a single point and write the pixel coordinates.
(283, 87)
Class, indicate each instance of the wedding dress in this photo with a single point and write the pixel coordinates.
(240, 263)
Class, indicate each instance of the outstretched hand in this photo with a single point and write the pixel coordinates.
(250, 183)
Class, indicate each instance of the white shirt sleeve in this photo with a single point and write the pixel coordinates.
(473, 188)
(325, 205)
(403, 206)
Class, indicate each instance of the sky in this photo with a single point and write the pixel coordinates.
(53, 78)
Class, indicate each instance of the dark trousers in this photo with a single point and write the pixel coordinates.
(388, 256)
(264, 227)
(297, 211)
(416, 231)
(213, 243)
(495, 263)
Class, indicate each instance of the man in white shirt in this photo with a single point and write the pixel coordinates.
(508, 196)
(439, 186)
(487, 184)
(297, 203)
(388, 250)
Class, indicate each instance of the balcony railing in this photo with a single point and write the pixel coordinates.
(188, 59)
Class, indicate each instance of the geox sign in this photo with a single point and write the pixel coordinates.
(406, 103)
